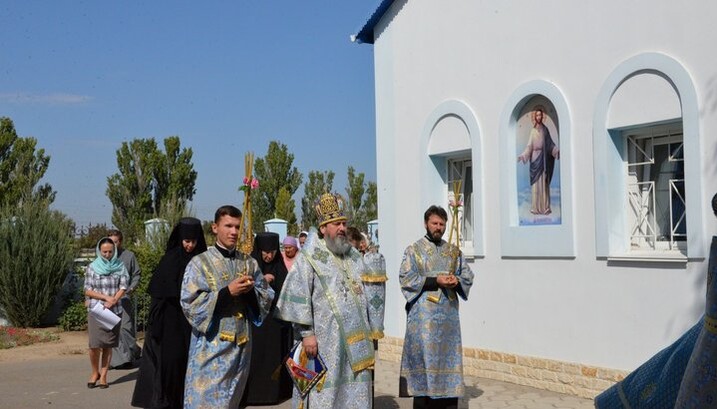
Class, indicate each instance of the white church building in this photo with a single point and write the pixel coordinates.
(585, 278)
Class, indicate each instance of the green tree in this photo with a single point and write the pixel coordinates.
(274, 171)
(318, 183)
(354, 199)
(370, 203)
(22, 165)
(150, 183)
(36, 252)
(285, 206)
(361, 203)
(175, 178)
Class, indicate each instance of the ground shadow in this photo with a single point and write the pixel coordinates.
(129, 377)
(472, 392)
(385, 402)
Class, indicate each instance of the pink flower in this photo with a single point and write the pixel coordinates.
(254, 183)
(246, 181)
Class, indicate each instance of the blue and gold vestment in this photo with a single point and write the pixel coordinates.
(220, 347)
(432, 359)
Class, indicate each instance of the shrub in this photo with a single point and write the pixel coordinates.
(36, 251)
(89, 238)
(75, 317)
(148, 257)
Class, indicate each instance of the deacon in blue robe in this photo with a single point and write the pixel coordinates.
(432, 359)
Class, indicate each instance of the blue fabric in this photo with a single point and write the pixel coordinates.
(655, 383)
(699, 385)
(220, 346)
(683, 375)
(432, 359)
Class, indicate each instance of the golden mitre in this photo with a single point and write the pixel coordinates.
(329, 208)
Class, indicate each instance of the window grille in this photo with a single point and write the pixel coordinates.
(462, 169)
(656, 190)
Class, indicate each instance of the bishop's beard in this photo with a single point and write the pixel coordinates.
(338, 245)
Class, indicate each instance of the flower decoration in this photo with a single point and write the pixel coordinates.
(453, 203)
(249, 184)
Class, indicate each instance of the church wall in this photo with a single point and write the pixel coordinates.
(581, 308)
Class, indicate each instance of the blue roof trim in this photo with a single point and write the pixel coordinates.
(365, 35)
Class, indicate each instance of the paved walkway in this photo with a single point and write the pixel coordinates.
(58, 380)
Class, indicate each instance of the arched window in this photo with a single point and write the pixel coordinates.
(647, 175)
(452, 143)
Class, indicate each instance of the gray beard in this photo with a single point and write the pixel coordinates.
(339, 245)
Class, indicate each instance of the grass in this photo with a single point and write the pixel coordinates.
(11, 337)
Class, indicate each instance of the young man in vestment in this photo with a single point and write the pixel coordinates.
(433, 276)
(223, 292)
(324, 296)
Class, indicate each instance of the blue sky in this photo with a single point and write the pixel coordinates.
(226, 77)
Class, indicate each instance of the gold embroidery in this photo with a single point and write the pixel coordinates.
(367, 278)
(209, 276)
(352, 339)
(364, 364)
(227, 336)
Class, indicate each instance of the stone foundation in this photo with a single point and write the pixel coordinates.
(564, 377)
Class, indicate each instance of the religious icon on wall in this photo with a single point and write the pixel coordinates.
(538, 162)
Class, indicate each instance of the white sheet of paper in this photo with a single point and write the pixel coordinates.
(105, 317)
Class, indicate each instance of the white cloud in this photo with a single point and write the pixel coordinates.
(46, 99)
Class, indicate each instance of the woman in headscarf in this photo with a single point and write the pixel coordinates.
(268, 382)
(160, 383)
(106, 281)
(291, 250)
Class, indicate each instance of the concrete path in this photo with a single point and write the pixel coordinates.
(60, 381)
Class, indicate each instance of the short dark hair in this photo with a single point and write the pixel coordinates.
(714, 204)
(435, 210)
(226, 210)
(115, 232)
(354, 234)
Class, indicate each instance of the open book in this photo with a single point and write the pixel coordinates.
(304, 371)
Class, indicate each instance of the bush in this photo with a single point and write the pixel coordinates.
(148, 257)
(75, 317)
(36, 252)
(88, 238)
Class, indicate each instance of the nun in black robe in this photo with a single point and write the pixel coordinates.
(269, 383)
(160, 382)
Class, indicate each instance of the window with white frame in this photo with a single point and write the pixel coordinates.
(461, 169)
(655, 188)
